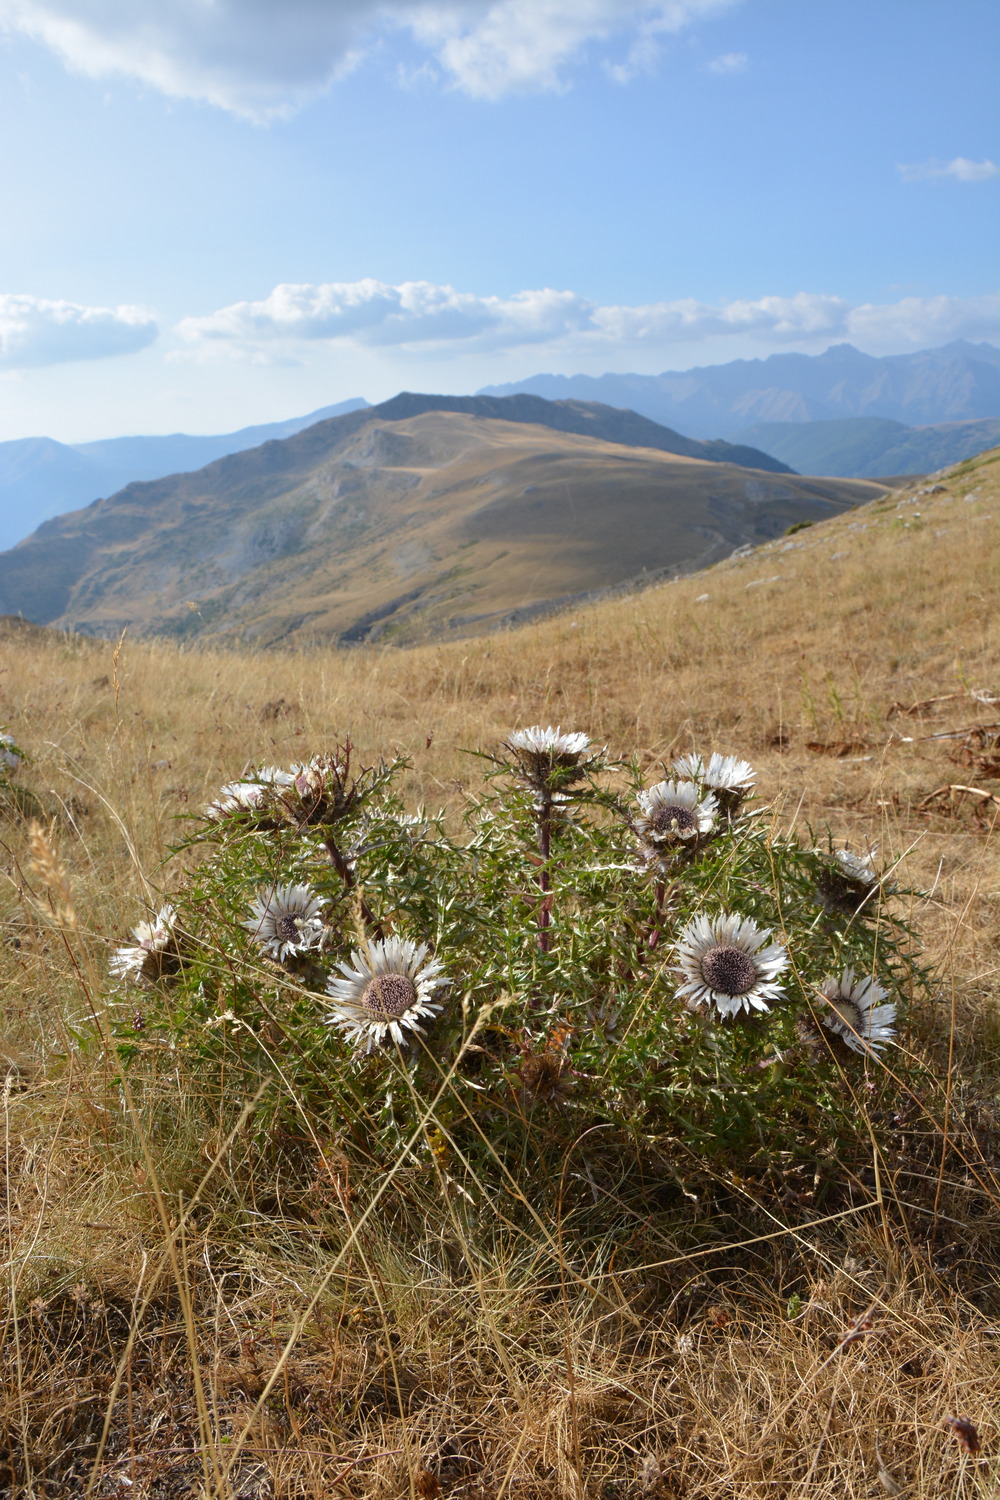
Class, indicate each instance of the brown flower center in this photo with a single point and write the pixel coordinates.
(730, 971)
(288, 928)
(849, 1013)
(674, 818)
(386, 997)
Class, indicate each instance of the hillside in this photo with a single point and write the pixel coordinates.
(958, 382)
(382, 524)
(588, 419)
(764, 1333)
(869, 447)
(40, 478)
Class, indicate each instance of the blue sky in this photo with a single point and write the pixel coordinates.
(218, 212)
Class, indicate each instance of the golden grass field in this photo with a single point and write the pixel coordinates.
(147, 1354)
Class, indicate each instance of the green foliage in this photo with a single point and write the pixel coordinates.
(555, 913)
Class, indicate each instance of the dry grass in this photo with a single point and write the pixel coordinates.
(147, 1354)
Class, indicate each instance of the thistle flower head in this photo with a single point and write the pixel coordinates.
(856, 867)
(848, 883)
(253, 794)
(286, 920)
(546, 1078)
(322, 790)
(726, 776)
(155, 952)
(10, 756)
(385, 992)
(673, 812)
(856, 1013)
(547, 759)
(726, 964)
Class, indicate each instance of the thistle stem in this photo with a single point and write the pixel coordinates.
(653, 939)
(343, 869)
(545, 885)
(662, 894)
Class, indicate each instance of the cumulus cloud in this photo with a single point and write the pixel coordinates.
(262, 59)
(34, 331)
(925, 321)
(960, 169)
(729, 62)
(420, 315)
(374, 313)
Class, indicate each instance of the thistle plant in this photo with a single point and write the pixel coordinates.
(11, 755)
(549, 763)
(585, 950)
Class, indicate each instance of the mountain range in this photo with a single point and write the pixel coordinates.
(423, 517)
(958, 382)
(40, 478)
(873, 447)
(950, 392)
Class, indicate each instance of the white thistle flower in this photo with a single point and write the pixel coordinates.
(154, 952)
(856, 867)
(672, 812)
(549, 761)
(726, 964)
(236, 797)
(550, 743)
(9, 758)
(250, 794)
(849, 883)
(273, 776)
(857, 1014)
(720, 773)
(726, 776)
(286, 920)
(388, 991)
(307, 777)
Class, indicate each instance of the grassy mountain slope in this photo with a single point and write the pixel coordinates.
(612, 424)
(806, 1347)
(40, 478)
(868, 447)
(361, 526)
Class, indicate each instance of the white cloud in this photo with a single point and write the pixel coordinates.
(961, 169)
(729, 62)
(263, 58)
(642, 57)
(516, 45)
(417, 315)
(922, 322)
(374, 313)
(806, 315)
(35, 332)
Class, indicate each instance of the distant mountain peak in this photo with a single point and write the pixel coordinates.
(958, 382)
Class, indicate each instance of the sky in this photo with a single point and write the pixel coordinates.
(221, 212)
